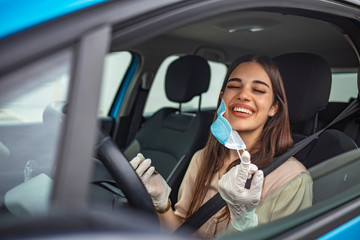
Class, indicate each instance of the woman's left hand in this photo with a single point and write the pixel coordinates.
(240, 200)
(155, 184)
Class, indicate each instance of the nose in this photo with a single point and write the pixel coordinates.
(244, 94)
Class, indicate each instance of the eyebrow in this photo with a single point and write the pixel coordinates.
(261, 82)
(254, 81)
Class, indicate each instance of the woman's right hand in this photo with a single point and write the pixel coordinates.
(240, 200)
(155, 184)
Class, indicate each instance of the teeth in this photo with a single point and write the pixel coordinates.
(244, 110)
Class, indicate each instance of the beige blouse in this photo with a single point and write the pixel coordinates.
(291, 180)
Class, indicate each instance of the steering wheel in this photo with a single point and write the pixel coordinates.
(114, 161)
(123, 174)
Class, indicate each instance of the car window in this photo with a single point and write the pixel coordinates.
(30, 106)
(30, 128)
(157, 98)
(343, 86)
(115, 67)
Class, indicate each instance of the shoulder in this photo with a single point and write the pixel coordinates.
(286, 172)
(194, 165)
(197, 158)
(289, 168)
(294, 164)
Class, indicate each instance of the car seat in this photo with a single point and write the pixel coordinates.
(307, 81)
(350, 125)
(170, 137)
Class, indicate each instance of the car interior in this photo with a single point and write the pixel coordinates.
(310, 49)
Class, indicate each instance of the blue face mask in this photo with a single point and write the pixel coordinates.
(223, 132)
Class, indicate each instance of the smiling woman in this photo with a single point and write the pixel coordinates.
(265, 137)
(249, 96)
(264, 140)
(270, 101)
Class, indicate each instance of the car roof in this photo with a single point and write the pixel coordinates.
(19, 15)
(226, 36)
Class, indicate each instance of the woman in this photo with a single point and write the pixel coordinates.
(256, 107)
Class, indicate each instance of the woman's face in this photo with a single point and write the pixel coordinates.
(248, 97)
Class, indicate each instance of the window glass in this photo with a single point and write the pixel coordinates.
(157, 98)
(31, 104)
(115, 67)
(343, 87)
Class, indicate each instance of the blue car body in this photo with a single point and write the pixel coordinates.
(20, 15)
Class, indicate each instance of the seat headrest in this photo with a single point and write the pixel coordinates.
(187, 77)
(54, 114)
(307, 81)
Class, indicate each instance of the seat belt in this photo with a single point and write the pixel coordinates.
(213, 205)
(146, 80)
(139, 107)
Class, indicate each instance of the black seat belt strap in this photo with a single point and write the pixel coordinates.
(213, 205)
(139, 107)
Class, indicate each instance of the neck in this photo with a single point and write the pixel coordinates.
(250, 137)
(233, 155)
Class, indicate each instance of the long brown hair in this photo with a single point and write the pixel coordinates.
(274, 140)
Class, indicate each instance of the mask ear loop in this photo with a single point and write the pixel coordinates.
(237, 150)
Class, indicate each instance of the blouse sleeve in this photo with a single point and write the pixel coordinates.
(187, 186)
(292, 197)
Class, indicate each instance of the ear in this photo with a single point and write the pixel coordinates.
(273, 110)
(221, 94)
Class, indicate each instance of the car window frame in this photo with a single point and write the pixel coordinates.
(119, 96)
(78, 138)
(111, 81)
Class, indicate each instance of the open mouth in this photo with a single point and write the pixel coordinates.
(242, 110)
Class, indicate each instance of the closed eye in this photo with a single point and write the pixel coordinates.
(232, 86)
(260, 91)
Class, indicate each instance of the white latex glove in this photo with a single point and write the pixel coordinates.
(155, 184)
(242, 201)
